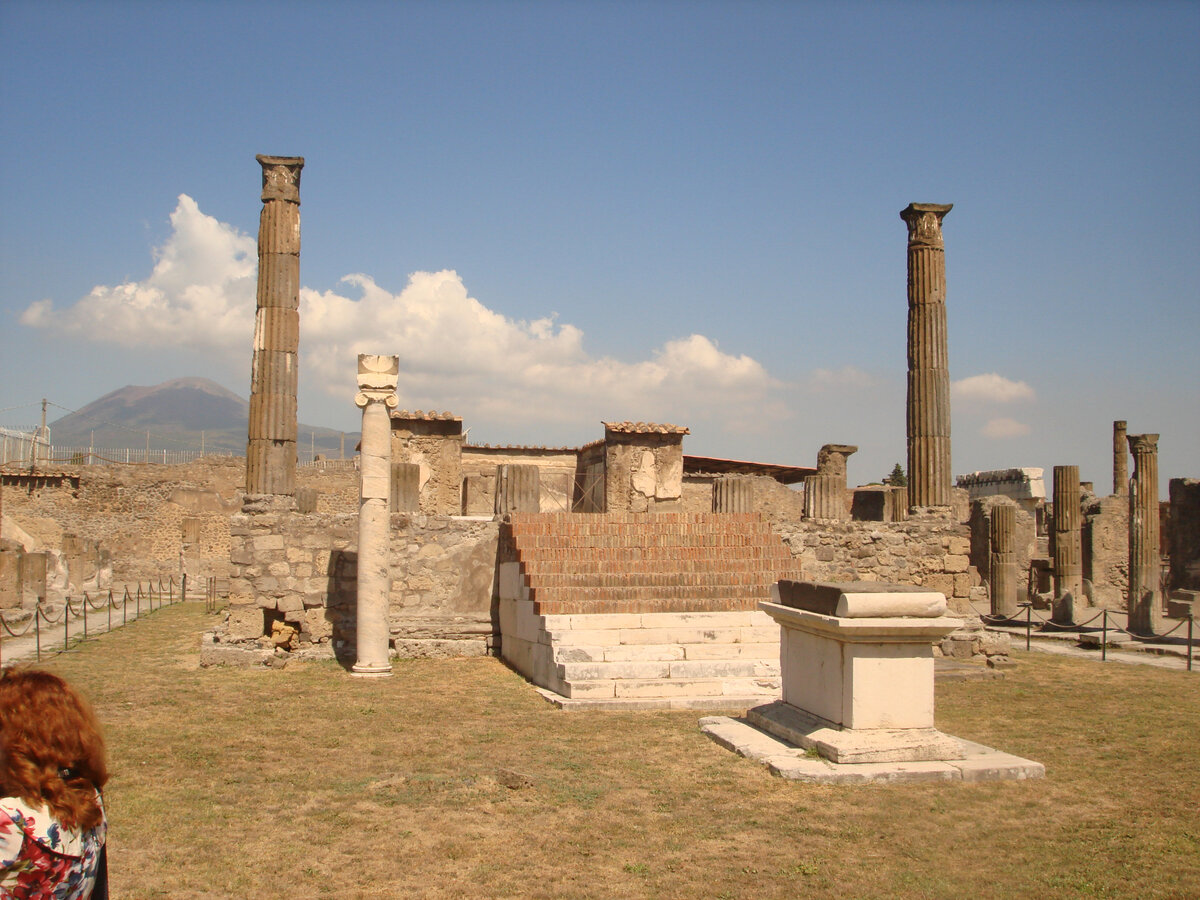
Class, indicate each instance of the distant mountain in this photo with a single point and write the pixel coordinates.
(181, 414)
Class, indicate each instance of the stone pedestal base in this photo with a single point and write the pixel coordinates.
(856, 662)
(853, 745)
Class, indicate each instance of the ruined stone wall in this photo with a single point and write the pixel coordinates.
(301, 570)
(137, 512)
(1183, 533)
(1106, 549)
(434, 444)
(556, 474)
(778, 502)
(644, 472)
(928, 551)
(443, 585)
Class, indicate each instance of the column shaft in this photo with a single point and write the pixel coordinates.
(1120, 459)
(1068, 545)
(377, 394)
(928, 409)
(271, 439)
(1003, 562)
(733, 494)
(1145, 553)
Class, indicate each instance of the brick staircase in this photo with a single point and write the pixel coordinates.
(651, 609)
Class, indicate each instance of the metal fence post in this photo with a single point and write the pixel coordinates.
(1191, 620)
(66, 624)
(1104, 638)
(37, 628)
(1028, 624)
(85, 604)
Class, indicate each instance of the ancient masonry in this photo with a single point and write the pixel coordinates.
(928, 418)
(825, 492)
(1068, 546)
(1144, 549)
(1002, 567)
(1120, 458)
(376, 395)
(271, 448)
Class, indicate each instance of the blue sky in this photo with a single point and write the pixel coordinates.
(558, 213)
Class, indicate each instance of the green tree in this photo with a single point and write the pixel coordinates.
(897, 478)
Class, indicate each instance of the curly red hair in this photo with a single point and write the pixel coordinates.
(51, 748)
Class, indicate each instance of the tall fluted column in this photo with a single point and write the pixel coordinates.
(271, 447)
(1002, 566)
(1144, 551)
(928, 416)
(376, 395)
(1120, 458)
(1068, 545)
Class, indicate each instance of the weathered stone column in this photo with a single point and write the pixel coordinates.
(377, 377)
(1120, 458)
(733, 494)
(271, 445)
(825, 492)
(1002, 566)
(1068, 545)
(824, 497)
(898, 504)
(1144, 551)
(928, 418)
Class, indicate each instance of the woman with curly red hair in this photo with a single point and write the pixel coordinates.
(52, 767)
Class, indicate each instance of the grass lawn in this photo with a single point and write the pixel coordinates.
(305, 782)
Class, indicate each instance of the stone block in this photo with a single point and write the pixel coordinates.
(671, 687)
(572, 672)
(243, 623)
(767, 650)
(637, 652)
(955, 563)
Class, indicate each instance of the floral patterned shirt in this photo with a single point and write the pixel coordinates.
(42, 860)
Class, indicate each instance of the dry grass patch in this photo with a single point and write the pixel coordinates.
(308, 783)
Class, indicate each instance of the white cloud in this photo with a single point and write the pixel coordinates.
(1004, 428)
(199, 294)
(455, 353)
(992, 388)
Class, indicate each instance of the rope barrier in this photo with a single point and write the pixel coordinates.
(76, 610)
(1049, 624)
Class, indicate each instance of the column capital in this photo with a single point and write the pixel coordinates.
(377, 377)
(1143, 443)
(281, 177)
(924, 222)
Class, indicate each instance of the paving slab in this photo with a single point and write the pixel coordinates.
(785, 760)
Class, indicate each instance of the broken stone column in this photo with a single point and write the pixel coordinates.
(825, 492)
(898, 504)
(1068, 545)
(271, 444)
(824, 497)
(1002, 566)
(518, 489)
(1120, 458)
(377, 377)
(733, 494)
(1144, 551)
(928, 413)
